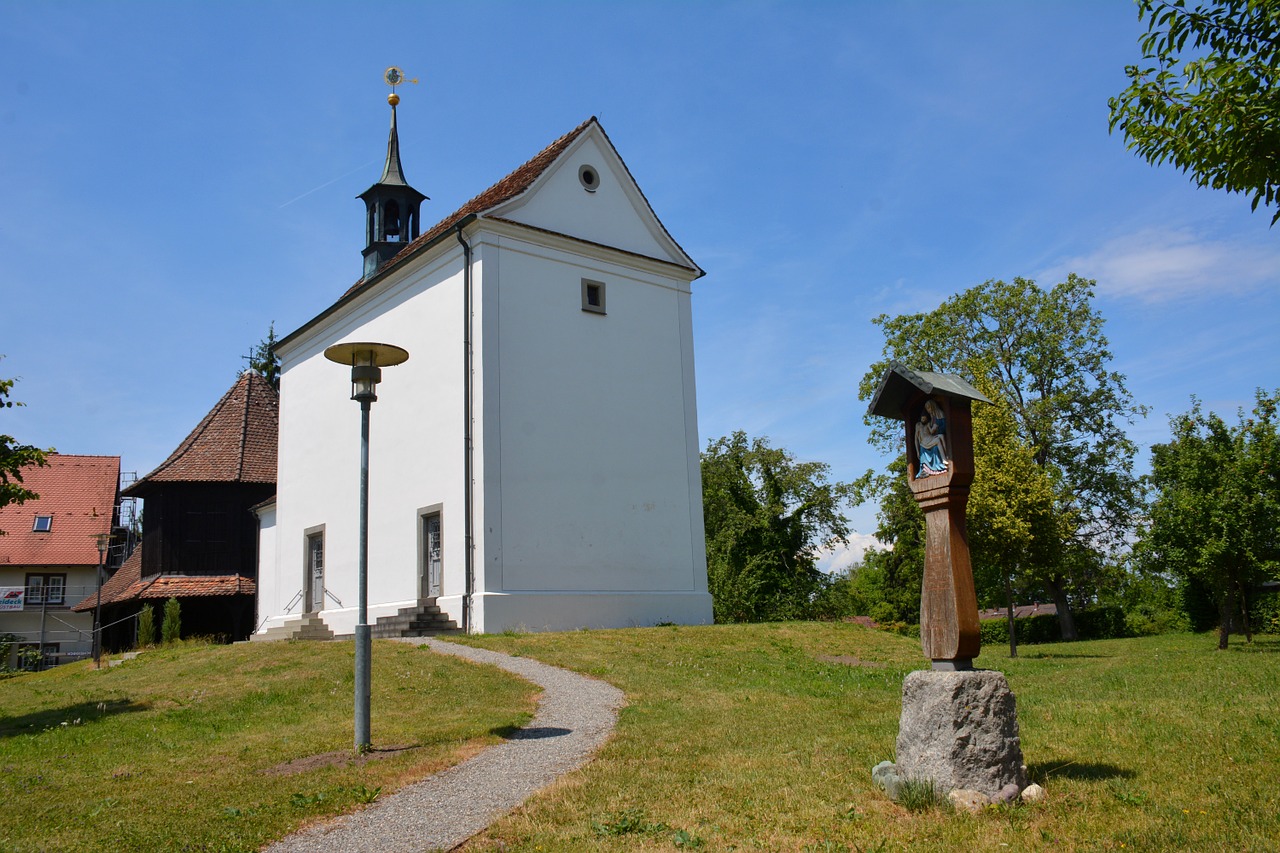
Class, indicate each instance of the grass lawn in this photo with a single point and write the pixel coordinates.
(751, 738)
(167, 752)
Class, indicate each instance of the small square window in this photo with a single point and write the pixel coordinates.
(593, 296)
(43, 524)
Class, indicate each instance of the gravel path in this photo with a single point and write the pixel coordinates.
(575, 716)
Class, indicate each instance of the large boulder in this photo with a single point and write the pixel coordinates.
(960, 730)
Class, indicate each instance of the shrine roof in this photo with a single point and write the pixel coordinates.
(901, 383)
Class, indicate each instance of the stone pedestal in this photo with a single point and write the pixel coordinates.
(960, 730)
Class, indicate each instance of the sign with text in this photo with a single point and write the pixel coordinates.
(11, 597)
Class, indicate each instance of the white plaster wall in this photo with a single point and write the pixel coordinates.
(266, 555)
(593, 445)
(415, 457)
(73, 632)
(615, 214)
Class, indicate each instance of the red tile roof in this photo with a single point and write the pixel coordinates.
(504, 190)
(235, 443)
(129, 573)
(127, 584)
(80, 492)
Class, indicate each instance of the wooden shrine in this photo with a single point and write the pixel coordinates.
(935, 409)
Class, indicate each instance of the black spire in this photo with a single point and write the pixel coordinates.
(391, 206)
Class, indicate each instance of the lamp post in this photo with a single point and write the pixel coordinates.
(104, 542)
(366, 361)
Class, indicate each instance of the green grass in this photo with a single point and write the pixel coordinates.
(734, 738)
(166, 752)
(740, 738)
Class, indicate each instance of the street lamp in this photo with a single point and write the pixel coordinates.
(366, 361)
(104, 542)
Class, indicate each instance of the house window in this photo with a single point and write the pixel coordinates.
(589, 177)
(43, 524)
(31, 659)
(47, 589)
(593, 296)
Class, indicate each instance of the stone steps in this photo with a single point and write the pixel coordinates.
(425, 619)
(304, 627)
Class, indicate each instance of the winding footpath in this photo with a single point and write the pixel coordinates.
(575, 716)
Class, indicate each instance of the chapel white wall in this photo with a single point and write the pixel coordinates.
(415, 457)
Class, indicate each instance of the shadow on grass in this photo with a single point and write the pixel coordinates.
(81, 713)
(1087, 771)
(1052, 655)
(532, 733)
(1259, 646)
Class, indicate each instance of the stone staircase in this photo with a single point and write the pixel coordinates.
(305, 627)
(425, 619)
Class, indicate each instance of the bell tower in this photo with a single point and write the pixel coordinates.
(391, 205)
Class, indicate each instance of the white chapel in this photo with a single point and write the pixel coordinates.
(534, 464)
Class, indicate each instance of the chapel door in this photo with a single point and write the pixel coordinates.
(315, 573)
(432, 556)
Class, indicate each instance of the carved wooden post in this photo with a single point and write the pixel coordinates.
(935, 410)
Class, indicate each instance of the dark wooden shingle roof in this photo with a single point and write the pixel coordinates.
(235, 443)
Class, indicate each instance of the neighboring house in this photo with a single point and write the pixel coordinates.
(1020, 611)
(49, 554)
(199, 533)
(534, 464)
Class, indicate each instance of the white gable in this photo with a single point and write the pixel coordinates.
(615, 213)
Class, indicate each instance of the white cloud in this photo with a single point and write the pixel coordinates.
(1156, 265)
(841, 557)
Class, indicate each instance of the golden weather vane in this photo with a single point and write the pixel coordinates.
(395, 77)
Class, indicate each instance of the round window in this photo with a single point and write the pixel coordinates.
(589, 178)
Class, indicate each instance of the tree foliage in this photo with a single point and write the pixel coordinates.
(14, 457)
(1015, 531)
(146, 626)
(1043, 352)
(264, 360)
(1215, 520)
(886, 586)
(171, 627)
(767, 515)
(1207, 96)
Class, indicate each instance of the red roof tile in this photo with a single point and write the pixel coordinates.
(504, 190)
(129, 573)
(197, 586)
(235, 443)
(127, 584)
(80, 493)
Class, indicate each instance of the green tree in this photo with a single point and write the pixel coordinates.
(767, 515)
(1215, 520)
(171, 627)
(1014, 526)
(14, 457)
(264, 360)
(886, 586)
(146, 626)
(1044, 353)
(1207, 96)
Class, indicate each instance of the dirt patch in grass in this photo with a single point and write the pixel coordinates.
(850, 660)
(337, 758)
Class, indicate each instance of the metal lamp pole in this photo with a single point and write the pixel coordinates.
(366, 361)
(104, 542)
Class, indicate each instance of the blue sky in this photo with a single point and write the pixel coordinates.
(176, 176)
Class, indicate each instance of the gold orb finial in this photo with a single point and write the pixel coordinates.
(393, 99)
